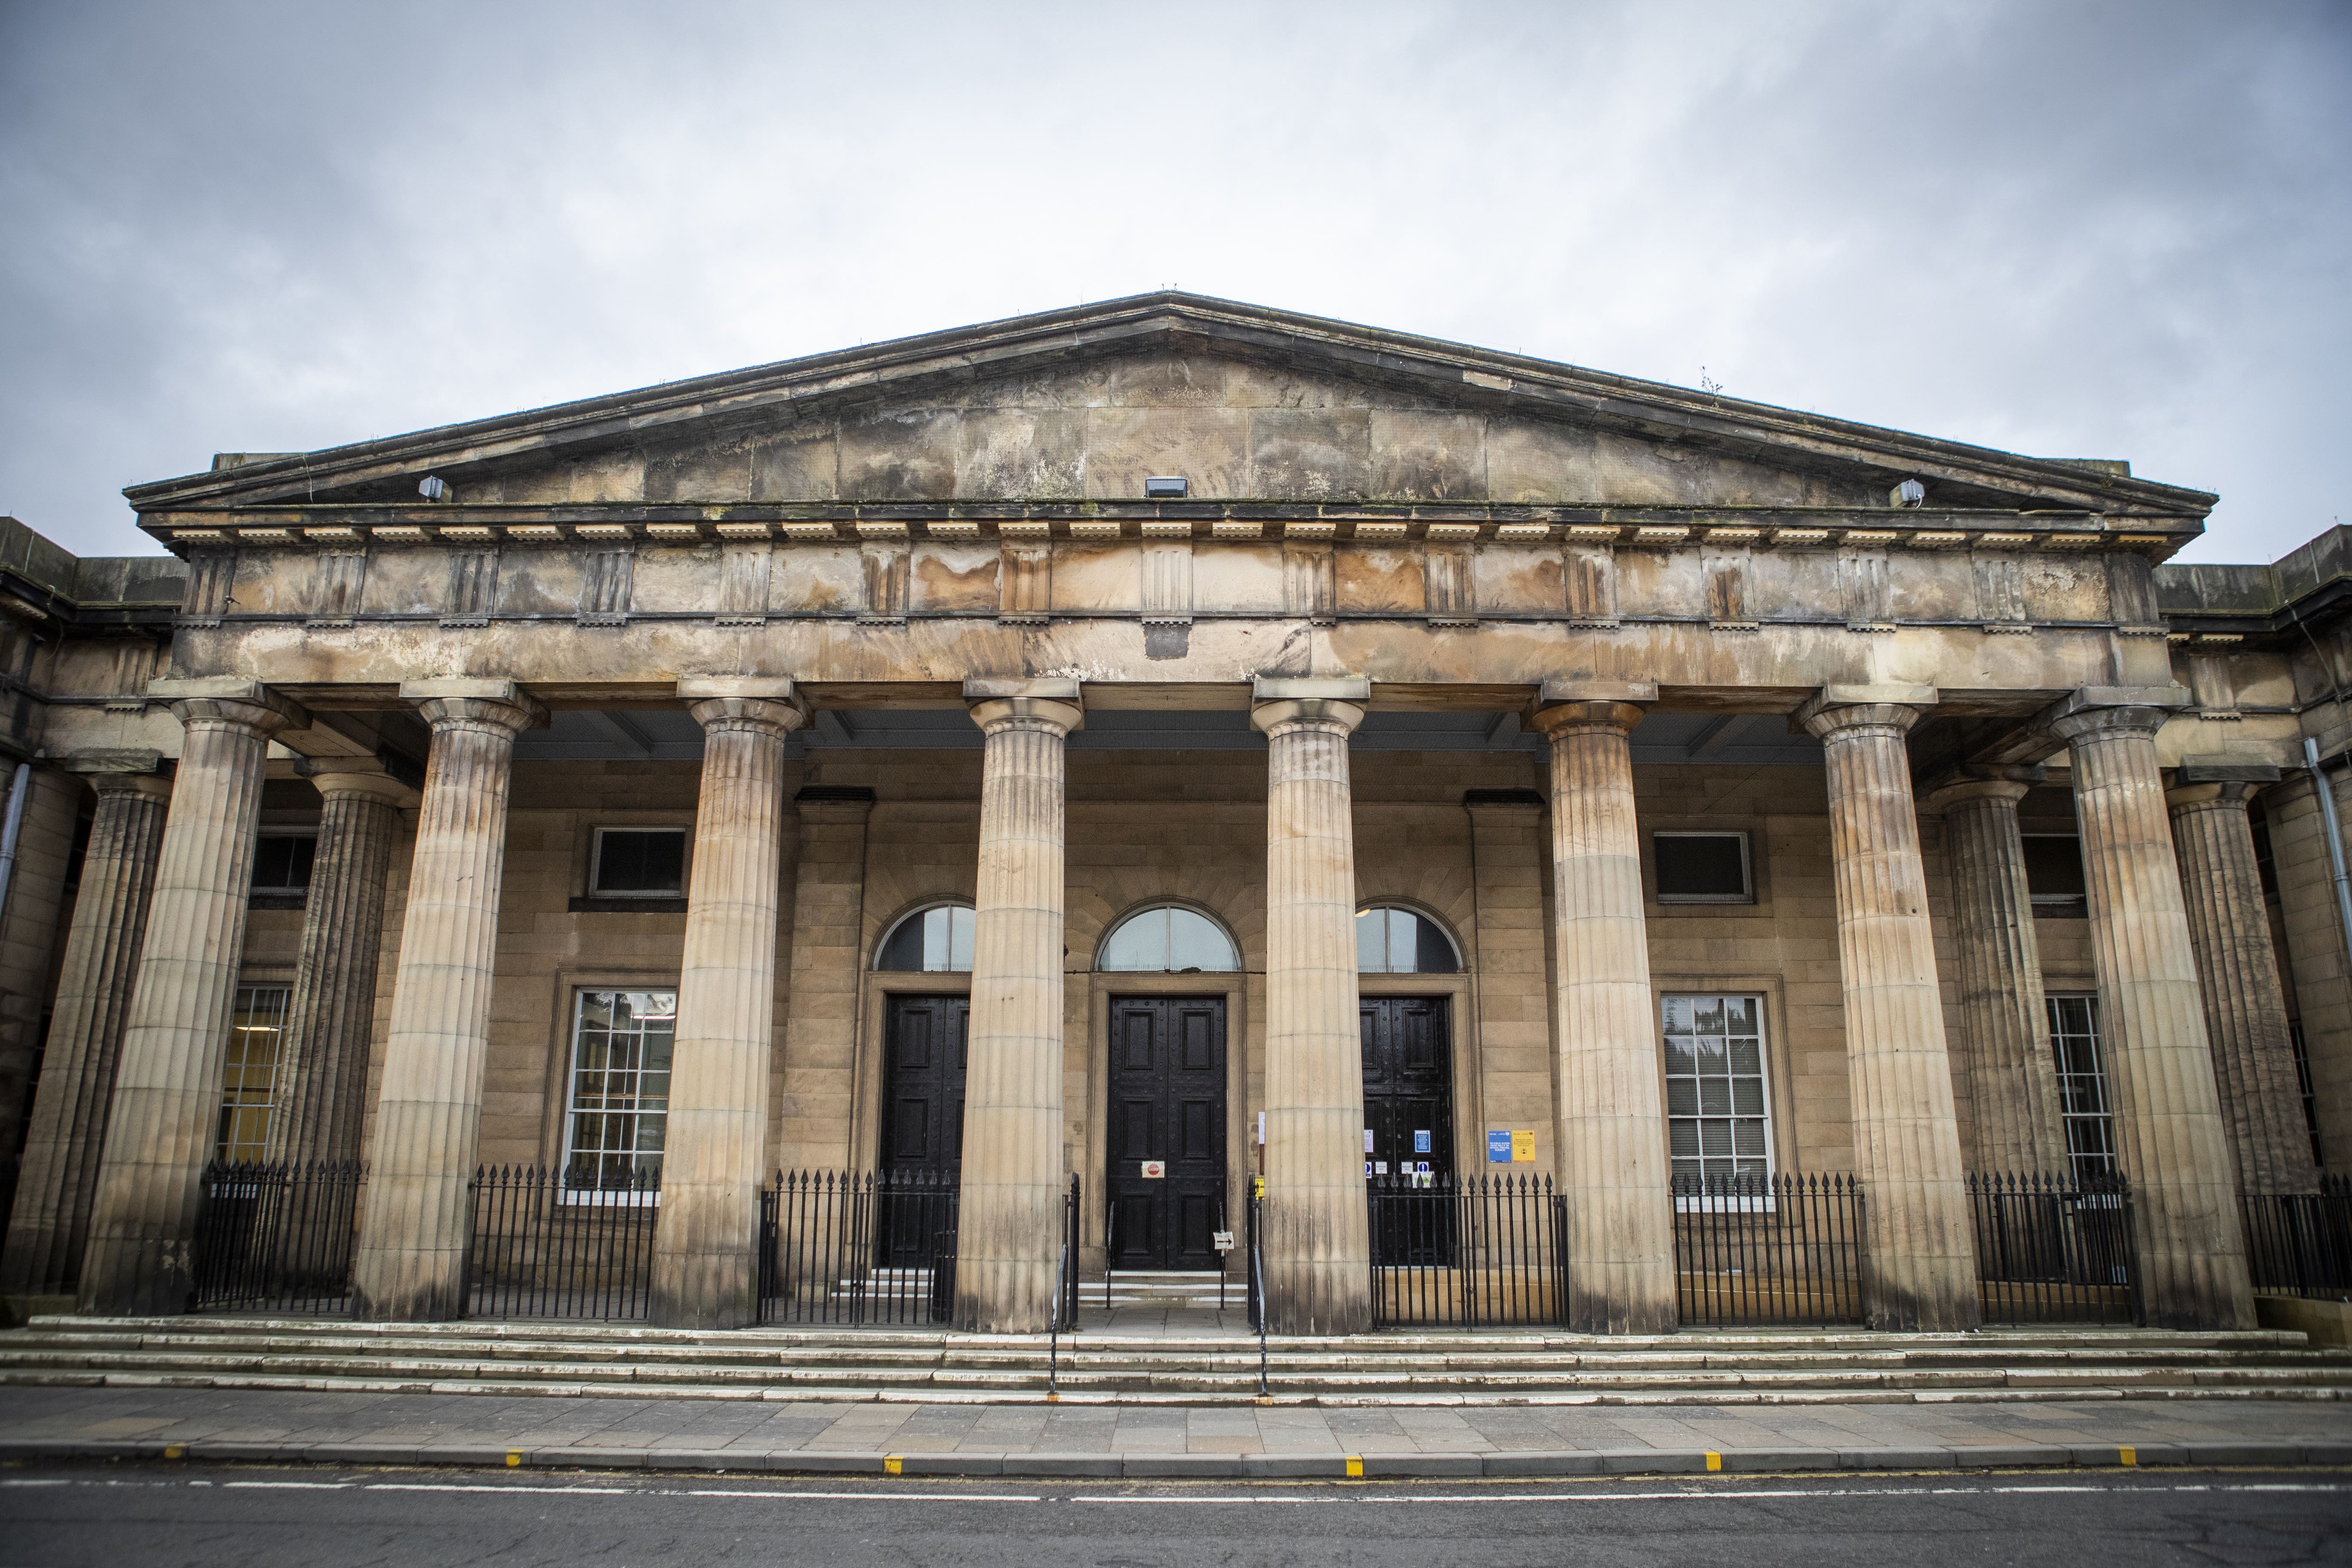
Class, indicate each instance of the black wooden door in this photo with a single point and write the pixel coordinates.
(1167, 1104)
(1409, 1111)
(1408, 1083)
(923, 1051)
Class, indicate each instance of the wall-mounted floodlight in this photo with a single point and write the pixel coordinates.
(431, 488)
(1166, 487)
(1910, 493)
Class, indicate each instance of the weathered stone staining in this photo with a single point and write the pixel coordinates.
(1921, 1272)
(1009, 1235)
(1482, 711)
(50, 1221)
(1319, 1248)
(410, 1264)
(159, 1132)
(2191, 1254)
(1621, 1254)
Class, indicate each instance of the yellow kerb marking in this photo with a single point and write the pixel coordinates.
(892, 1465)
(1355, 1466)
(174, 1451)
(514, 1457)
(1714, 1461)
(2127, 1456)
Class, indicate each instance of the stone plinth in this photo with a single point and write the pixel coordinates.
(1317, 1242)
(1612, 1157)
(2245, 1004)
(706, 1273)
(410, 1264)
(323, 1061)
(2168, 1115)
(1009, 1231)
(50, 1222)
(2018, 1127)
(1919, 1273)
(166, 1109)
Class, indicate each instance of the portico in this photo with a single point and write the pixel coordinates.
(733, 803)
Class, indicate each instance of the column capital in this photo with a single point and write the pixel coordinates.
(361, 779)
(229, 700)
(2226, 793)
(755, 713)
(458, 699)
(1837, 709)
(2109, 710)
(1052, 702)
(1980, 782)
(1279, 702)
(153, 786)
(1573, 718)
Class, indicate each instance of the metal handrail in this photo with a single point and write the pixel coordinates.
(1257, 1291)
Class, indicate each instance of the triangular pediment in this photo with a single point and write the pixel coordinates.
(1246, 404)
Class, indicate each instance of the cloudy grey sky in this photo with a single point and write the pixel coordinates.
(2069, 229)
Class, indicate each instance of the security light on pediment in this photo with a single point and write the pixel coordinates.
(1910, 493)
(1166, 486)
(431, 488)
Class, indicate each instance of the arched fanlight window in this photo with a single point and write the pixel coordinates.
(1390, 940)
(1169, 939)
(933, 941)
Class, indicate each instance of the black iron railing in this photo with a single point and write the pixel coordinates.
(1750, 1248)
(1065, 1290)
(2055, 1249)
(2300, 1244)
(277, 1238)
(1471, 1252)
(858, 1247)
(1257, 1284)
(561, 1244)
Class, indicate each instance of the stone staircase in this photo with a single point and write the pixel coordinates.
(1177, 1288)
(1486, 1367)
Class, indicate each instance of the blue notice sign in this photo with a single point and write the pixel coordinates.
(1498, 1148)
(1421, 1140)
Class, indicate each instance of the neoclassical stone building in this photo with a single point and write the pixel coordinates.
(880, 761)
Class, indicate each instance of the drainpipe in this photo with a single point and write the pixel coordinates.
(15, 824)
(2310, 760)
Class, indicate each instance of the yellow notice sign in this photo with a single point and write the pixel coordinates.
(1523, 1147)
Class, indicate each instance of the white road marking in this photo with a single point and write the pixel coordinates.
(296, 1486)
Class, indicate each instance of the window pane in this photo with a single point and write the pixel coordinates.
(1372, 942)
(1682, 1097)
(1432, 950)
(1141, 944)
(2054, 866)
(651, 863)
(1195, 943)
(281, 861)
(933, 941)
(1701, 865)
(960, 939)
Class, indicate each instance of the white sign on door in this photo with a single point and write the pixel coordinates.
(1155, 1170)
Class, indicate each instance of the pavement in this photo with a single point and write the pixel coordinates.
(102, 1516)
(1234, 1441)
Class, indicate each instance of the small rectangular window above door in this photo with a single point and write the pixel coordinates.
(1703, 868)
(2053, 874)
(639, 863)
(281, 869)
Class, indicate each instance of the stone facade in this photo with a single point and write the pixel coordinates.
(891, 634)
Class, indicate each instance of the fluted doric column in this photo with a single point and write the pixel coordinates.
(1009, 1232)
(2015, 1083)
(2245, 1001)
(1920, 1269)
(1612, 1157)
(1317, 1242)
(330, 1018)
(165, 1107)
(410, 1264)
(50, 1222)
(2168, 1115)
(706, 1272)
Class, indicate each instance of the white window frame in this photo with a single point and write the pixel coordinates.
(2105, 1079)
(596, 862)
(1746, 895)
(579, 994)
(1762, 1203)
(269, 1107)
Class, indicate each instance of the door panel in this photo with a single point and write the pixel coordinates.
(1408, 1100)
(925, 1044)
(1167, 1103)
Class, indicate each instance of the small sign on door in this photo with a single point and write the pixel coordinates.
(1420, 1140)
(1155, 1170)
